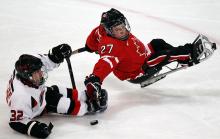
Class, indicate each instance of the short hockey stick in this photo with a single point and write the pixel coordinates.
(71, 72)
(79, 50)
(93, 122)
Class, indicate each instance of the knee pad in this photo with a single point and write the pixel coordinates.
(157, 42)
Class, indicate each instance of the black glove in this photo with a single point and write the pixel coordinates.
(103, 100)
(60, 52)
(93, 87)
(99, 105)
(40, 130)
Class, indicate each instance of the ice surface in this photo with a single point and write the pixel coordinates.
(184, 105)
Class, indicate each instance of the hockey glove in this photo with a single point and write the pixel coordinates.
(93, 86)
(103, 100)
(99, 105)
(60, 52)
(39, 130)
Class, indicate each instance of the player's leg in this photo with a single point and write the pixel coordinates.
(164, 53)
(69, 101)
(74, 95)
(65, 103)
(69, 93)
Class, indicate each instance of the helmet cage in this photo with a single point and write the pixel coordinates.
(26, 65)
(42, 79)
(113, 18)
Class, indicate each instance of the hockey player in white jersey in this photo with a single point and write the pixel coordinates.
(28, 97)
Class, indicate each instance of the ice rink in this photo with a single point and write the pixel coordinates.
(185, 105)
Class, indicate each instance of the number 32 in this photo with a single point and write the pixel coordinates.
(16, 115)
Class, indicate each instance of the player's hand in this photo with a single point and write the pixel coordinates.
(93, 87)
(60, 52)
(41, 130)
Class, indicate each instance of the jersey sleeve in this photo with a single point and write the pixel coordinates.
(50, 65)
(105, 66)
(108, 59)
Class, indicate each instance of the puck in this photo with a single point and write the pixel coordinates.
(94, 122)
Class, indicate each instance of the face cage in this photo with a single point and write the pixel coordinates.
(127, 26)
(43, 79)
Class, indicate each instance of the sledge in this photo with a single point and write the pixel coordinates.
(201, 44)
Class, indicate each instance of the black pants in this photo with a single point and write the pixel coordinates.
(164, 53)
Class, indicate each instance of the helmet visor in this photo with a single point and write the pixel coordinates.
(39, 77)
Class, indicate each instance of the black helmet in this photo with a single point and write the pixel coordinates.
(26, 65)
(113, 18)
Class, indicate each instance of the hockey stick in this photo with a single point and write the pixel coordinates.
(71, 72)
(79, 50)
(93, 122)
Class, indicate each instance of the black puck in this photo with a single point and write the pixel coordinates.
(94, 122)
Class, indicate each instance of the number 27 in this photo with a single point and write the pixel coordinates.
(107, 48)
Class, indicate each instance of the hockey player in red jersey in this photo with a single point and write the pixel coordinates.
(28, 97)
(125, 55)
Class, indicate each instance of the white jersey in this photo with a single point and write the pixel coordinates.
(26, 102)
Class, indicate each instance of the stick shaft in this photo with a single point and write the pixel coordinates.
(71, 73)
(79, 50)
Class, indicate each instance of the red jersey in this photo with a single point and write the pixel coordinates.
(122, 57)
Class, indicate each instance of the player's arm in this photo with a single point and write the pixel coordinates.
(20, 119)
(102, 69)
(59, 53)
(32, 128)
(55, 56)
(105, 66)
(93, 82)
(109, 59)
